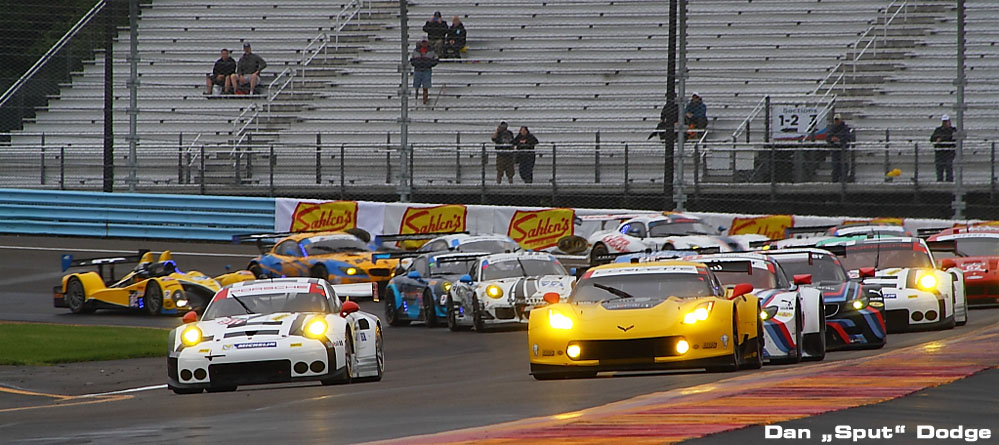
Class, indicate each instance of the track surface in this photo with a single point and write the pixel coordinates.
(436, 380)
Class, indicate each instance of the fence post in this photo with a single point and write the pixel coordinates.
(992, 178)
(319, 158)
(388, 167)
(596, 160)
(554, 180)
(43, 160)
(482, 200)
(457, 158)
(249, 156)
(270, 166)
(62, 168)
(180, 157)
(773, 173)
(409, 179)
(343, 161)
(915, 173)
(697, 170)
(238, 165)
(187, 168)
(626, 176)
(202, 169)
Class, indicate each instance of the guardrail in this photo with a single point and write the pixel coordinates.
(99, 214)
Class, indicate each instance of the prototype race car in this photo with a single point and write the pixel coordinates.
(338, 257)
(916, 294)
(975, 251)
(155, 287)
(664, 232)
(794, 324)
(646, 316)
(420, 292)
(503, 288)
(853, 315)
(276, 331)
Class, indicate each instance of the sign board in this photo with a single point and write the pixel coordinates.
(791, 121)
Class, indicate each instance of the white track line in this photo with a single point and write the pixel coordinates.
(125, 391)
(63, 249)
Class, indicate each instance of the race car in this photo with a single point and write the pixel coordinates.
(811, 236)
(463, 242)
(664, 232)
(276, 331)
(503, 288)
(420, 292)
(646, 316)
(917, 295)
(853, 311)
(338, 257)
(152, 286)
(794, 323)
(975, 251)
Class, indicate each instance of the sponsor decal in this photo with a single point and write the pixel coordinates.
(874, 221)
(442, 218)
(256, 345)
(625, 329)
(230, 321)
(771, 226)
(539, 229)
(363, 336)
(296, 345)
(324, 216)
(617, 242)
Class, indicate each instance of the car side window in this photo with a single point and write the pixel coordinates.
(434, 246)
(334, 300)
(635, 229)
(420, 265)
(288, 248)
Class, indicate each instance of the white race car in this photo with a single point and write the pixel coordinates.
(663, 232)
(916, 294)
(793, 315)
(503, 288)
(275, 331)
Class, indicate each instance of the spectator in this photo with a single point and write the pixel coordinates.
(838, 137)
(451, 50)
(524, 144)
(504, 161)
(436, 29)
(248, 71)
(457, 32)
(423, 61)
(224, 67)
(697, 114)
(943, 157)
(660, 130)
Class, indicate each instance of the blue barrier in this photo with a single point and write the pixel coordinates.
(96, 214)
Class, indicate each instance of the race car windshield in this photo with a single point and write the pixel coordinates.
(489, 246)
(666, 228)
(451, 267)
(596, 289)
(977, 247)
(325, 246)
(887, 256)
(760, 278)
(520, 267)
(266, 304)
(823, 268)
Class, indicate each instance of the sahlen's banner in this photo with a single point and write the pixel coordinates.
(540, 229)
(448, 218)
(771, 226)
(309, 215)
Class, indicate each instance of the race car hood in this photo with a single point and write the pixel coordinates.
(198, 278)
(631, 318)
(977, 265)
(255, 326)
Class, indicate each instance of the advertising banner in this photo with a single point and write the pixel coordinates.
(540, 229)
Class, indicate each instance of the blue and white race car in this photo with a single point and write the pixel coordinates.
(419, 293)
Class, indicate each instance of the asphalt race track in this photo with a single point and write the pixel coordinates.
(435, 380)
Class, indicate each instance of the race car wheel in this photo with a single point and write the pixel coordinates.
(736, 359)
(429, 311)
(597, 250)
(391, 316)
(477, 322)
(963, 321)
(256, 270)
(348, 357)
(757, 362)
(795, 355)
(319, 271)
(76, 297)
(221, 388)
(815, 343)
(177, 390)
(452, 315)
(379, 354)
(153, 298)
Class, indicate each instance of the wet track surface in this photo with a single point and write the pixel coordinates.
(435, 380)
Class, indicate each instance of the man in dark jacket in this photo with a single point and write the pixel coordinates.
(503, 139)
(943, 157)
(224, 67)
(839, 138)
(660, 130)
(248, 70)
(524, 143)
(436, 29)
(457, 32)
(423, 60)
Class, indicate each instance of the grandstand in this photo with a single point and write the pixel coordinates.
(568, 69)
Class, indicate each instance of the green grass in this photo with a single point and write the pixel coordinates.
(48, 344)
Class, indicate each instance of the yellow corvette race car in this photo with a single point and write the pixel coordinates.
(156, 287)
(646, 316)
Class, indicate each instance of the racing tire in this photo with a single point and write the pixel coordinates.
(348, 358)
(183, 391)
(256, 270)
(429, 310)
(597, 250)
(736, 348)
(452, 316)
(379, 354)
(319, 271)
(153, 298)
(965, 321)
(757, 362)
(477, 323)
(815, 343)
(221, 388)
(76, 297)
(391, 316)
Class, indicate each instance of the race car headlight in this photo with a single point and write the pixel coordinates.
(446, 286)
(700, 313)
(558, 321)
(859, 303)
(494, 291)
(191, 336)
(178, 298)
(316, 328)
(768, 313)
(573, 351)
(682, 347)
(927, 282)
(349, 270)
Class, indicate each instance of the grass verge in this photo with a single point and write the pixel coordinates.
(49, 344)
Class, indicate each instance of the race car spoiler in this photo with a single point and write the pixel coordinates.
(379, 239)
(930, 231)
(803, 231)
(651, 255)
(260, 238)
(68, 261)
(356, 290)
(737, 266)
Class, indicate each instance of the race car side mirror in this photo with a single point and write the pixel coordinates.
(740, 290)
(947, 263)
(572, 271)
(413, 275)
(466, 278)
(552, 297)
(804, 278)
(349, 307)
(190, 317)
(866, 272)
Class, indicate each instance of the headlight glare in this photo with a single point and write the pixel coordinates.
(559, 321)
(573, 351)
(316, 328)
(768, 313)
(494, 291)
(350, 270)
(927, 282)
(859, 303)
(700, 313)
(191, 336)
(446, 286)
(682, 347)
